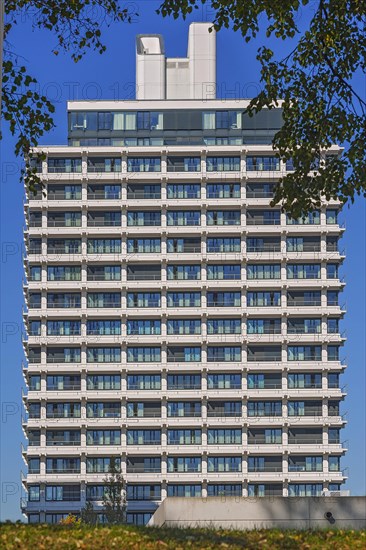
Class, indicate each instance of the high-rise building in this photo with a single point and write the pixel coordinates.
(176, 322)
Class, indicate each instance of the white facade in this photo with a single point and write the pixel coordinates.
(193, 330)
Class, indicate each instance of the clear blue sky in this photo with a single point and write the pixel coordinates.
(112, 76)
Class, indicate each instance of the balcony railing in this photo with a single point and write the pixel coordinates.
(104, 223)
(63, 196)
(142, 277)
(66, 387)
(59, 415)
(142, 470)
(147, 223)
(262, 221)
(142, 195)
(188, 415)
(259, 194)
(266, 386)
(102, 195)
(265, 248)
(184, 387)
(105, 304)
(102, 277)
(147, 414)
(304, 303)
(303, 468)
(305, 441)
(63, 471)
(63, 223)
(223, 414)
(259, 469)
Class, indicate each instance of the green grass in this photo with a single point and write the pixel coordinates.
(46, 537)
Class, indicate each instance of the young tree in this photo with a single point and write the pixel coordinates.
(77, 25)
(114, 500)
(88, 515)
(321, 105)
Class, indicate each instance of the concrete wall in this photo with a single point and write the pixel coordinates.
(263, 513)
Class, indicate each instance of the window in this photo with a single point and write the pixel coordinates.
(183, 218)
(59, 165)
(263, 271)
(332, 271)
(263, 217)
(103, 410)
(334, 463)
(331, 217)
(143, 492)
(223, 463)
(103, 355)
(183, 409)
(35, 273)
(224, 490)
(144, 382)
(333, 353)
(183, 299)
(97, 465)
(223, 326)
(223, 164)
(224, 437)
(184, 381)
(184, 437)
(183, 191)
(264, 326)
(183, 326)
(312, 218)
(263, 299)
(183, 272)
(104, 246)
(184, 490)
(103, 328)
(223, 190)
(305, 489)
(303, 271)
(223, 272)
(223, 381)
(184, 354)
(63, 493)
(223, 245)
(148, 164)
(103, 437)
(143, 299)
(103, 382)
(184, 464)
(143, 355)
(136, 219)
(304, 353)
(33, 493)
(223, 299)
(226, 354)
(184, 164)
(103, 300)
(63, 273)
(136, 326)
(143, 437)
(264, 408)
(63, 328)
(263, 164)
(63, 382)
(223, 217)
(143, 246)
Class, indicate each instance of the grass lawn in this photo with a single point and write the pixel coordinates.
(46, 537)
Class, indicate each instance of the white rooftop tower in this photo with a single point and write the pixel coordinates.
(191, 77)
